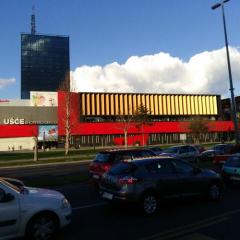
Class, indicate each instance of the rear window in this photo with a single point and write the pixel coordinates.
(233, 161)
(103, 157)
(171, 150)
(123, 168)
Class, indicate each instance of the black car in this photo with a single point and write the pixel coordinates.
(149, 180)
(104, 160)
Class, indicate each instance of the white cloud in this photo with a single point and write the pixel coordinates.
(6, 81)
(204, 73)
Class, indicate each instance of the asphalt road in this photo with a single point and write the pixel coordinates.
(93, 218)
(36, 172)
(195, 219)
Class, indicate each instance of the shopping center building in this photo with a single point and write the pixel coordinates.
(96, 119)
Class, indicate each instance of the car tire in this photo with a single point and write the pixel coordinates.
(42, 227)
(149, 204)
(214, 192)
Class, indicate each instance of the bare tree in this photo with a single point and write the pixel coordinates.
(142, 118)
(125, 123)
(66, 87)
(35, 148)
(198, 128)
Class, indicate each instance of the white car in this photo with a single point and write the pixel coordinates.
(32, 212)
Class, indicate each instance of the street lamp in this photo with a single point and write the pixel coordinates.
(233, 103)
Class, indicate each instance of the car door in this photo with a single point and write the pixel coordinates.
(164, 177)
(9, 212)
(190, 180)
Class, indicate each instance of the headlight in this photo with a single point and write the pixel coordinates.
(65, 203)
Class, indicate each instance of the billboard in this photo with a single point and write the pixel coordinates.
(44, 99)
(48, 133)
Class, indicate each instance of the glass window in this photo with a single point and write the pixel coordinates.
(163, 166)
(102, 157)
(233, 161)
(122, 168)
(182, 167)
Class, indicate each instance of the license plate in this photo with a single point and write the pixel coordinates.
(235, 178)
(96, 176)
(107, 195)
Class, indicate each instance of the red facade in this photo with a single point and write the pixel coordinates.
(103, 128)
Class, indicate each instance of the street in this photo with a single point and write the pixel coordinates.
(185, 219)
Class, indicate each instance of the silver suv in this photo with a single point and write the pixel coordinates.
(149, 180)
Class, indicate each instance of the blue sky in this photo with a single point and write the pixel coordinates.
(106, 31)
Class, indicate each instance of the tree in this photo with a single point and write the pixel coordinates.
(142, 118)
(66, 87)
(35, 149)
(198, 128)
(125, 125)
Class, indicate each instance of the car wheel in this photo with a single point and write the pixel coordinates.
(214, 192)
(42, 227)
(149, 204)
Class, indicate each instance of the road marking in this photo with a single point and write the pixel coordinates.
(196, 236)
(89, 206)
(185, 227)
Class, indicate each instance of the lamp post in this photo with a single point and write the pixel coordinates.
(233, 103)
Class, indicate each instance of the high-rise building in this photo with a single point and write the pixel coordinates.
(44, 62)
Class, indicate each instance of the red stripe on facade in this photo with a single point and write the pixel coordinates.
(10, 131)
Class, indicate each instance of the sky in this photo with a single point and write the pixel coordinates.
(154, 46)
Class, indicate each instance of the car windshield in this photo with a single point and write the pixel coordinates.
(171, 150)
(122, 168)
(16, 188)
(102, 157)
(233, 161)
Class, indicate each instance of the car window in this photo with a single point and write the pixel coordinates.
(171, 150)
(103, 157)
(233, 161)
(122, 168)
(191, 149)
(184, 149)
(2, 195)
(160, 167)
(182, 167)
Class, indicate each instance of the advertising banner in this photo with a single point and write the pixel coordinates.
(48, 133)
(41, 99)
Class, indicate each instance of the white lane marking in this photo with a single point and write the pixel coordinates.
(89, 206)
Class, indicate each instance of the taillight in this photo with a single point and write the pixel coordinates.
(106, 167)
(128, 180)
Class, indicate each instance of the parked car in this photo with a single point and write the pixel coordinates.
(32, 212)
(223, 148)
(104, 160)
(156, 150)
(146, 181)
(231, 169)
(208, 155)
(185, 152)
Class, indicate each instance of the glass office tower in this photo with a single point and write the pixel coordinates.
(44, 63)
